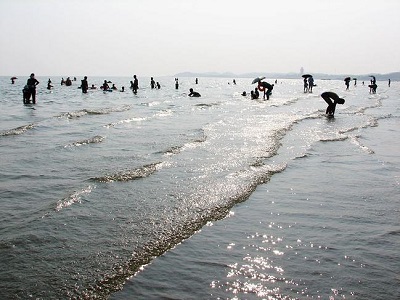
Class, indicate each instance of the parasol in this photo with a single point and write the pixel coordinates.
(258, 79)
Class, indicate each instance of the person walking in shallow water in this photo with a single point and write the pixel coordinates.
(176, 83)
(328, 97)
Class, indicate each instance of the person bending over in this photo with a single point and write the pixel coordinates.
(332, 99)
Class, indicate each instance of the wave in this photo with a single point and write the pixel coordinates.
(75, 197)
(84, 112)
(355, 140)
(134, 119)
(171, 235)
(178, 149)
(18, 130)
(138, 173)
(94, 140)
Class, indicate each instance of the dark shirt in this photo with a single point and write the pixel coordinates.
(32, 83)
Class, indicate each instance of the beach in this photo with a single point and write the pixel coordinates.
(111, 195)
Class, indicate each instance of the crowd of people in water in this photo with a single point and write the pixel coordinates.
(29, 91)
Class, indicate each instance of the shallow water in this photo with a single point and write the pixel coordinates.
(96, 186)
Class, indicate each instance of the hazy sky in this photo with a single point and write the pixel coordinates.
(164, 37)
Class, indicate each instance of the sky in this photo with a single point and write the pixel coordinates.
(165, 37)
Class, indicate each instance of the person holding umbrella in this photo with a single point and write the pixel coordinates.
(328, 97)
(347, 82)
(263, 86)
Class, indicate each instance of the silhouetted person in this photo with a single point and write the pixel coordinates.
(389, 83)
(332, 99)
(135, 84)
(158, 85)
(68, 82)
(305, 86)
(49, 86)
(234, 81)
(105, 86)
(197, 80)
(152, 83)
(176, 83)
(266, 87)
(347, 82)
(256, 93)
(122, 89)
(32, 83)
(310, 84)
(84, 85)
(372, 88)
(193, 93)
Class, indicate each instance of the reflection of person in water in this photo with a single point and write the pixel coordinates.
(193, 93)
(328, 97)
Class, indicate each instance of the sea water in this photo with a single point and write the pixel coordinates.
(158, 195)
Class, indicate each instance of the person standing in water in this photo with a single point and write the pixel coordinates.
(135, 84)
(328, 97)
(32, 83)
(176, 83)
(152, 83)
(49, 86)
(84, 85)
(305, 86)
(310, 84)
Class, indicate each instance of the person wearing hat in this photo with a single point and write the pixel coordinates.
(328, 97)
(31, 84)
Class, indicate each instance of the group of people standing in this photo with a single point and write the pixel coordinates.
(308, 83)
(29, 91)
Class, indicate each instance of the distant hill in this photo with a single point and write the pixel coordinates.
(395, 76)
